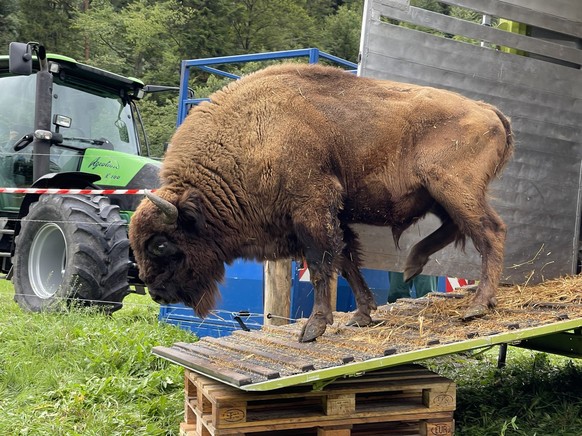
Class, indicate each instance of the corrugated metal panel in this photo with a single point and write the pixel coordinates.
(539, 193)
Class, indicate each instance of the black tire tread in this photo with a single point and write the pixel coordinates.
(101, 260)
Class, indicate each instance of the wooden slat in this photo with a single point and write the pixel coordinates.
(512, 10)
(455, 26)
(348, 347)
(197, 363)
(277, 276)
(301, 364)
(239, 361)
(312, 349)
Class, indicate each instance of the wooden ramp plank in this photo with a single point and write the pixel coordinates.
(323, 356)
(286, 359)
(199, 364)
(237, 361)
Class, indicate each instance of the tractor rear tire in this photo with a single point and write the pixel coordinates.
(71, 249)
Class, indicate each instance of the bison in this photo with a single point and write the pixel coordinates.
(279, 163)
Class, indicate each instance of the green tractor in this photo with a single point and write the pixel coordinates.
(67, 125)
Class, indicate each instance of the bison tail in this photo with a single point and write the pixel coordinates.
(509, 141)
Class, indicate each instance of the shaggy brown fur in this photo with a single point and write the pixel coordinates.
(278, 164)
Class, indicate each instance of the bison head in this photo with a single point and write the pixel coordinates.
(176, 252)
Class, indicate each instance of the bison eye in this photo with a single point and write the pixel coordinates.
(160, 246)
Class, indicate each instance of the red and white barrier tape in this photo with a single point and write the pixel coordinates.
(73, 191)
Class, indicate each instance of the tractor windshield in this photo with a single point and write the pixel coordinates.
(100, 118)
(96, 114)
(16, 120)
(17, 108)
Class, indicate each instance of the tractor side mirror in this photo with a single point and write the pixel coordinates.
(20, 58)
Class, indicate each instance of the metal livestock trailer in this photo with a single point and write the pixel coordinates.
(531, 71)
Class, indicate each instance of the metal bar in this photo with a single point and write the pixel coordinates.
(218, 72)
(42, 121)
(252, 57)
(247, 58)
(353, 66)
(502, 357)
(183, 96)
(563, 343)
(313, 56)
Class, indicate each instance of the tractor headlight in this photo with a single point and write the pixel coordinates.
(47, 135)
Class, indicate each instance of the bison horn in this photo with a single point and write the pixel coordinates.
(168, 209)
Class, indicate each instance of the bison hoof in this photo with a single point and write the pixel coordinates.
(313, 329)
(411, 271)
(474, 311)
(360, 320)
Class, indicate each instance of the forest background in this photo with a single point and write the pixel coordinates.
(148, 39)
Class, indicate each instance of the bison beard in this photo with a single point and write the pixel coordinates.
(281, 162)
(200, 296)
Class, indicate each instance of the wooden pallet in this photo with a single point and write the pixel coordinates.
(403, 400)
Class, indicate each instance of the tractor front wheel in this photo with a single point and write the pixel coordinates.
(71, 249)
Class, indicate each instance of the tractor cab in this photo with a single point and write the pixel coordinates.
(83, 117)
(67, 125)
(84, 108)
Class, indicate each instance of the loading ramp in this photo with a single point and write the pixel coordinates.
(547, 317)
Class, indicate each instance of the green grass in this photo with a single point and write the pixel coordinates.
(84, 373)
(535, 394)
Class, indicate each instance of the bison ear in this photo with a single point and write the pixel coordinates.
(191, 212)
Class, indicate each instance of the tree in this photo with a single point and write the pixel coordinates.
(159, 116)
(136, 40)
(8, 23)
(341, 35)
(264, 25)
(49, 24)
(319, 9)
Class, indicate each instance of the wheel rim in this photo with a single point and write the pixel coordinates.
(47, 260)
